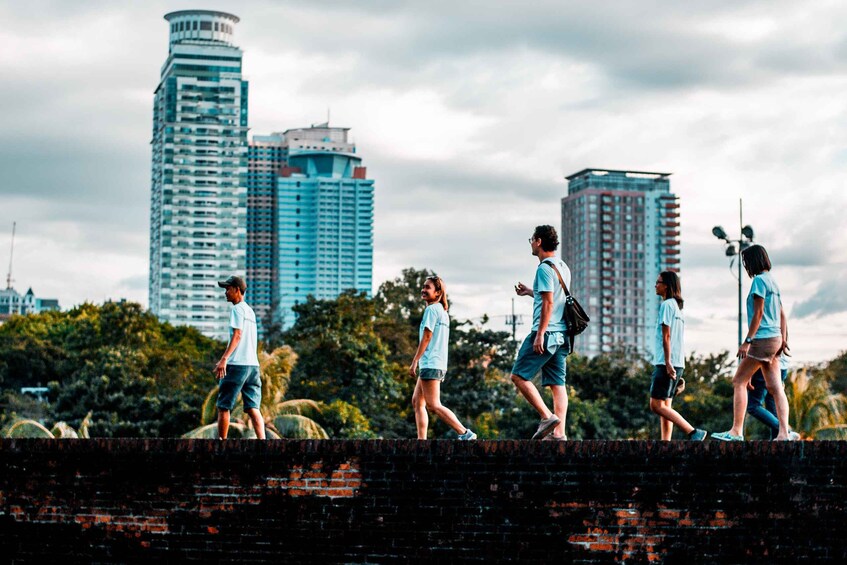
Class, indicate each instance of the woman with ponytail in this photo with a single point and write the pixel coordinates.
(431, 359)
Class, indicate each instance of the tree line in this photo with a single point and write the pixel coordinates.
(341, 371)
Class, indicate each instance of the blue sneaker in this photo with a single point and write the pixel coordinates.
(467, 436)
(697, 435)
(726, 436)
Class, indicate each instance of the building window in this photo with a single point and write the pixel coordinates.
(206, 26)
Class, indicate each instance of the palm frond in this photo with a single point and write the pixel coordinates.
(301, 406)
(64, 431)
(84, 425)
(28, 429)
(295, 426)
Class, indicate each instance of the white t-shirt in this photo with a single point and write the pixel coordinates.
(546, 280)
(670, 315)
(436, 320)
(243, 318)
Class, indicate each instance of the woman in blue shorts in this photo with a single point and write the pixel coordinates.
(669, 358)
(767, 338)
(431, 359)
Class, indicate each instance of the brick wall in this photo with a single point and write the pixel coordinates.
(404, 501)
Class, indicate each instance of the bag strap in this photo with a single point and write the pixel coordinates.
(558, 274)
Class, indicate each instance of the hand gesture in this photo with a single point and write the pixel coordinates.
(522, 290)
(742, 350)
(413, 369)
(538, 343)
(220, 369)
(671, 370)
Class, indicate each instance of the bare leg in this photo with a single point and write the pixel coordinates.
(743, 374)
(773, 379)
(668, 417)
(258, 422)
(419, 405)
(223, 423)
(528, 390)
(432, 393)
(560, 407)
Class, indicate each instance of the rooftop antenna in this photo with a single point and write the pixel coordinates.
(11, 255)
(327, 116)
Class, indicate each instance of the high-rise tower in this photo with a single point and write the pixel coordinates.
(320, 223)
(199, 190)
(620, 229)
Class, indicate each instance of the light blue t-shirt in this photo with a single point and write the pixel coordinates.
(243, 318)
(546, 280)
(764, 286)
(670, 315)
(436, 320)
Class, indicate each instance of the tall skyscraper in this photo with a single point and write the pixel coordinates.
(321, 229)
(198, 208)
(620, 229)
(266, 157)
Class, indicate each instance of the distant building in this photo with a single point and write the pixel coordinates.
(11, 303)
(310, 218)
(198, 208)
(266, 157)
(620, 229)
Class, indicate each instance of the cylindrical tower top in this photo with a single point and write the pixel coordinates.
(202, 25)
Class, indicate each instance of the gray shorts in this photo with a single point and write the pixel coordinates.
(242, 379)
(431, 375)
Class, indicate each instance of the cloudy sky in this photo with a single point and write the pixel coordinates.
(469, 115)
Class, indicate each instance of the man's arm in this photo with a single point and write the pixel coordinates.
(543, 322)
(220, 368)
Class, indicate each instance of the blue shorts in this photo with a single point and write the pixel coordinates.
(242, 379)
(551, 363)
(431, 375)
(663, 386)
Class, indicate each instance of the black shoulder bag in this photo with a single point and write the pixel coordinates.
(575, 318)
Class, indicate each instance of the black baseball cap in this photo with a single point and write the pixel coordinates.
(237, 282)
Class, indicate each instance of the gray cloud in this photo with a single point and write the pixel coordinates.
(829, 298)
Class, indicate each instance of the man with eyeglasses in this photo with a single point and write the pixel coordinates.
(546, 346)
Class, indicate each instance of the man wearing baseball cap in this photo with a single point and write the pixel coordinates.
(238, 369)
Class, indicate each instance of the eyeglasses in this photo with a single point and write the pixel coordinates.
(658, 283)
(531, 240)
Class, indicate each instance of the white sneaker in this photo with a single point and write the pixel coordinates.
(793, 436)
(467, 436)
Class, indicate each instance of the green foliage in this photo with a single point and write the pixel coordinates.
(136, 376)
(342, 420)
(341, 357)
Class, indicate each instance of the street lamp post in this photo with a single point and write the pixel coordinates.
(735, 247)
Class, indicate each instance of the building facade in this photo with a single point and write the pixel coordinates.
(319, 226)
(13, 303)
(266, 157)
(198, 211)
(620, 229)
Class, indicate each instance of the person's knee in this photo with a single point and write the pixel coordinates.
(517, 381)
(655, 406)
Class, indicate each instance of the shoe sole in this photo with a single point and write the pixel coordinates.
(546, 431)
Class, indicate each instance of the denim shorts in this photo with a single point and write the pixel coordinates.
(551, 363)
(242, 379)
(431, 375)
(663, 386)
